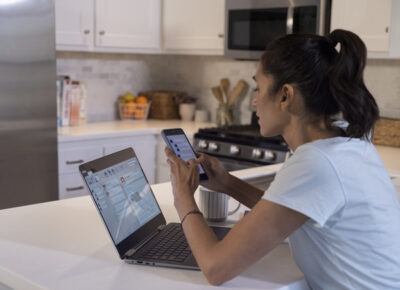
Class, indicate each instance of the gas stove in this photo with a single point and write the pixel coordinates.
(241, 146)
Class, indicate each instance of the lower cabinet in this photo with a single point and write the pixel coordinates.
(73, 153)
(162, 168)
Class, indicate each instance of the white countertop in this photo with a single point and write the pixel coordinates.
(390, 155)
(123, 128)
(64, 245)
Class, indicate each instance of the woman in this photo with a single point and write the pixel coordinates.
(333, 197)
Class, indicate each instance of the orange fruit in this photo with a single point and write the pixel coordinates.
(129, 109)
(141, 100)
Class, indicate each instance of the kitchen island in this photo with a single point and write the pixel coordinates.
(64, 245)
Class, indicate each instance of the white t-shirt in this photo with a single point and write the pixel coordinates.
(352, 239)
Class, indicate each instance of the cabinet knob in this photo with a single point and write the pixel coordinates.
(102, 32)
(387, 29)
(86, 31)
(221, 35)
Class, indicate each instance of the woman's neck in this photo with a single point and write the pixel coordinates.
(299, 132)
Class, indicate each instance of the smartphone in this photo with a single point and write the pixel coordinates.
(179, 144)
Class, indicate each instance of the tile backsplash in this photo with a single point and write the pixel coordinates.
(107, 76)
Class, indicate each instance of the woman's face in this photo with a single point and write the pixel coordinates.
(268, 105)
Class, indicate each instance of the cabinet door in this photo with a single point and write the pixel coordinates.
(74, 24)
(369, 19)
(70, 156)
(145, 149)
(193, 24)
(128, 23)
(71, 185)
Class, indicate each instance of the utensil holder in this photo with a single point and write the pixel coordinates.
(224, 115)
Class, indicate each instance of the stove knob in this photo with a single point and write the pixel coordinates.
(234, 150)
(257, 153)
(269, 155)
(203, 144)
(213, 146)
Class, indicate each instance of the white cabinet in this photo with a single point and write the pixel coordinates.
(188, 26)
(145, 149)
(73, 153)
(105, 25)
(193, 26)
(162, 167)
(74, 24)
(375, 21)
(128, 23)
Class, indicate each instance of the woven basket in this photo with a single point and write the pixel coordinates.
(387, 132)
(164, 104)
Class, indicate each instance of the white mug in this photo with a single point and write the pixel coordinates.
(187, 111)
(214, 205)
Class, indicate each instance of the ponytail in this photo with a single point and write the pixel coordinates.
(347, 87)
(330, 82)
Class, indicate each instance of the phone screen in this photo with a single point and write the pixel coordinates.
(181, 147)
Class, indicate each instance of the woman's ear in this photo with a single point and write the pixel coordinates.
(287, 96)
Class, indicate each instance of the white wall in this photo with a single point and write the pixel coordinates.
(110, 75)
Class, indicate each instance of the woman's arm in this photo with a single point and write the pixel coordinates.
(263, 228)
(221, 181)
(249, 240)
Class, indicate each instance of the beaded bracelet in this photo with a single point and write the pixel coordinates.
(195, 211)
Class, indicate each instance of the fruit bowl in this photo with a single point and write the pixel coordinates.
(134, 111)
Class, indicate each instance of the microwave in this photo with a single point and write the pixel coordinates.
(251, 24)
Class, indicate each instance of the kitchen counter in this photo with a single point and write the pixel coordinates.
(123, 128)
(64, 245)
(390, 155)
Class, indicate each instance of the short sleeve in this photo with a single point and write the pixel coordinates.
(308, 183)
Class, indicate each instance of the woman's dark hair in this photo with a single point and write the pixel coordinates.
(330, 81)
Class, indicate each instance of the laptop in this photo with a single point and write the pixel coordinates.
(132, 216)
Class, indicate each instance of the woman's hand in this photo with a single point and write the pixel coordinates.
(184, 176)
(218, 177)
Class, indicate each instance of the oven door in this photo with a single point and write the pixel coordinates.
(251, 25)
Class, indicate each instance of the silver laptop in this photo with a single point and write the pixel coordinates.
(132, 216)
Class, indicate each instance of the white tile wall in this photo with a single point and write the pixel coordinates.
(107, 76)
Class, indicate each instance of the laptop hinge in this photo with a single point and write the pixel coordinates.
(133, 250)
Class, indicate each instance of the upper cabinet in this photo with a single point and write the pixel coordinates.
(127, 23)
(74, 24)
(188, 26)
(375, 21)
(108, 26)
(193, 26)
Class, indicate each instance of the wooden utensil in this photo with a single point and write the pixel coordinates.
(236, 92)
(218, 94)
(224, 83)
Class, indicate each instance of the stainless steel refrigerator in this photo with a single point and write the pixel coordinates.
(28, 109)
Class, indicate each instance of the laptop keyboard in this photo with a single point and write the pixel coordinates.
(171, 245)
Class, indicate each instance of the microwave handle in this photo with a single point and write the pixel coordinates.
(289, 20)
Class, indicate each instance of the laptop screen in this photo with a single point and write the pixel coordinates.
(123, 197)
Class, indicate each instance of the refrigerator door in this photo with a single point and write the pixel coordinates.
(28, 121)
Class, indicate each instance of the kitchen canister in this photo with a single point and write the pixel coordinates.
(215, 205)
(186, 111)
(201, 116)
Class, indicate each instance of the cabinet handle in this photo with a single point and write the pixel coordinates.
(221, 35)
(74, 188)
(102, 32)
(387, 29)
(86, 31)
(74, 162)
